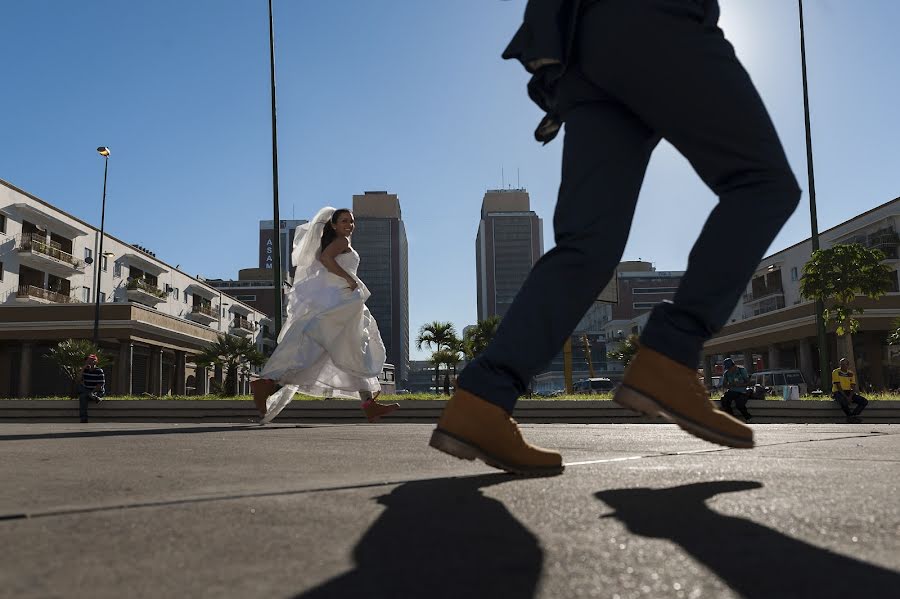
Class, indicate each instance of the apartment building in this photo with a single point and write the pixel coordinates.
(772, 326)
(153, 317)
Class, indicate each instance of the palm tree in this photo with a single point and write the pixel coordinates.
(436, 336)
(445, 357)
(477, 338)
(234, 354)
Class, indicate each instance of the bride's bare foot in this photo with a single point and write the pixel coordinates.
(262, 389)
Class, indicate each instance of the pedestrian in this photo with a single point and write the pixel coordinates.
(621, 75)
(329, 345)
(92, 386)
(844, 391)
(736, 382)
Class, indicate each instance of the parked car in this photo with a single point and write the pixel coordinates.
(776, 380)
(594, 385)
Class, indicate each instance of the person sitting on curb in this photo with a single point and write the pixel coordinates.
(93, 381)
(736, 383)
(843, 383)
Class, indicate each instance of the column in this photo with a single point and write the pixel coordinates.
(126, 365)
(180, 373)
(807, 368)
(748, 362)
(773, 358)
(25, 370)
(156, 371)
(707, 371)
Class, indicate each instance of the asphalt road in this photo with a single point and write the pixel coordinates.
(179, 510)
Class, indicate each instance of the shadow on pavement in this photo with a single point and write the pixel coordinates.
(442, 538)
(174, 430)
(752, 559)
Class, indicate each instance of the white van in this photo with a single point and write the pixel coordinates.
(778, 379)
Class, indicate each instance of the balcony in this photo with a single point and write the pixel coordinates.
(34, 251)
(30, 293)
(139, 290)
(755, 306)
(203, 314)
(242, 326)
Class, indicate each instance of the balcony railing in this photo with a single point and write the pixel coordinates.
(26, 291)
(754, 306)
(204, 310)
(243, 323)
(37, 244)
(142, 285)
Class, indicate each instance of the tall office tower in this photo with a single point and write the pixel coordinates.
(267, 243)
(510, 240)
(380, 240)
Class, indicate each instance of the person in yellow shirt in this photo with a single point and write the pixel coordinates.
(843, 386)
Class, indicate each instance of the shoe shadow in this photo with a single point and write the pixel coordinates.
(752, 559)
(442, 538)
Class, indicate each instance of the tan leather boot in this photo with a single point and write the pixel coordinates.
(472, 428)
(657, 385)
(262, 389)
(375, 410)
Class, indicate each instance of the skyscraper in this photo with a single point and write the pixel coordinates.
(510, 240)
(380, 240)
(267, 243)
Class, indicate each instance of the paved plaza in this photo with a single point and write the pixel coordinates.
(180, 510)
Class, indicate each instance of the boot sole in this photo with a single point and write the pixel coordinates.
(632, 399)
(458, 448)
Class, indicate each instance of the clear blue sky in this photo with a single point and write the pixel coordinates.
(408, 96)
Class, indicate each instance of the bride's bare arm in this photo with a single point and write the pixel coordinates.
(335, 248)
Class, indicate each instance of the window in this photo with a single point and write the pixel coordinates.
(117, 269)
(1, 266)
(643, 305)
(102, 297)
(246, 298)
(86, 295)
(794, 274)
(2, 223)
(185, 297)
(88, 253)
(104, 262)
(175, 293)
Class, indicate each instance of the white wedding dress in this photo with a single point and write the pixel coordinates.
(329, 345)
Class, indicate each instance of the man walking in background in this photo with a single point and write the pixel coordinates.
(622, 75)
(92, 386)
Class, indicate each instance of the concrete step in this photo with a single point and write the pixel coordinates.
(345, 411)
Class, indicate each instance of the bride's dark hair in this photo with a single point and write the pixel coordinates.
(328, 233)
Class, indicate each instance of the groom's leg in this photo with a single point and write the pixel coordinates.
(605, 157)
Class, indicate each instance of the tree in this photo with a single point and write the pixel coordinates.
(70, 355)
(837, 276)
(626, 351)
(477, 338)
(436, 336)
(234, 354)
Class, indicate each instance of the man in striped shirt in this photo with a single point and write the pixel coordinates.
(91, 388)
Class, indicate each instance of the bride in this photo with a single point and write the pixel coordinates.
(329, 345)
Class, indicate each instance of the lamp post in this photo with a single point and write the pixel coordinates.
(103, 151)
(276, 223)
(814, 224)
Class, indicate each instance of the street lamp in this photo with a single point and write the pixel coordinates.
(814, 224)
(103, 151)
(276, 223)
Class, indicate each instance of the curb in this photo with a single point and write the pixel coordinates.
(331, 411)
